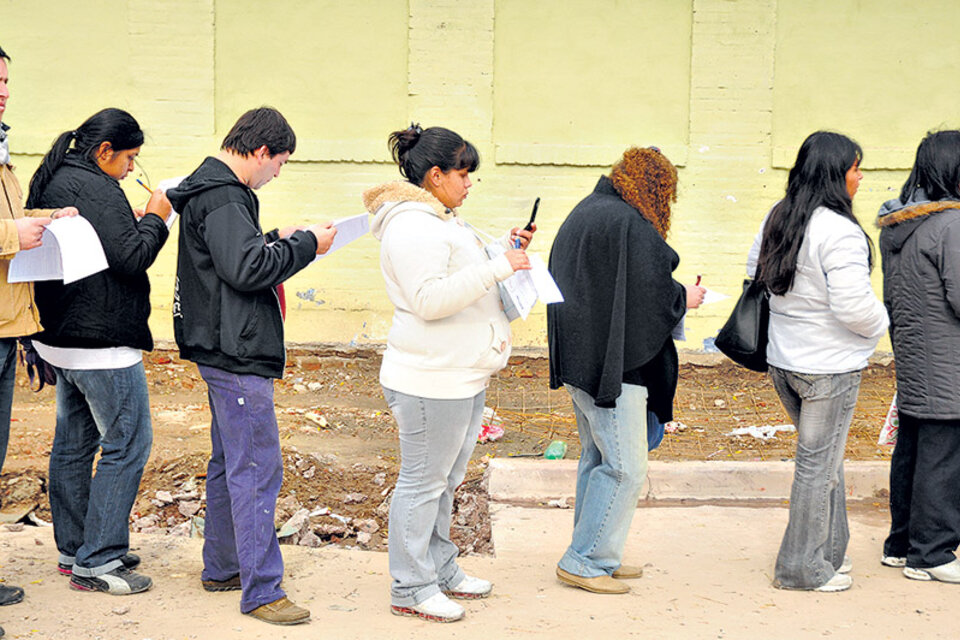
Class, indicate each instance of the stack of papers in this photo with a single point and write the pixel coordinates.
(70, 251)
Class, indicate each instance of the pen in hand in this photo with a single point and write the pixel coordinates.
(140, 182)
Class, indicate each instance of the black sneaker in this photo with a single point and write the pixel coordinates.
(10, 594)
(119, 582)
(129, 560)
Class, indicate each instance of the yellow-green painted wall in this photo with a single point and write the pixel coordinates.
(550, 91)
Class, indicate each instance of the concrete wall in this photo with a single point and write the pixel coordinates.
(550, 92)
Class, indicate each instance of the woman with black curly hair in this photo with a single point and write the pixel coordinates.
(611, 346)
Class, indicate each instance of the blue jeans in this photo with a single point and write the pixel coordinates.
(436, 440)
(109, 410)
(610, 475)
(8, 375)
(243, 481)
(821, 407)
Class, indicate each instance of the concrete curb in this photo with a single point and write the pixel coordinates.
(537, 481)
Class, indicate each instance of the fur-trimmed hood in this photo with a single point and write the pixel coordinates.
(899, 220)
(386, 200)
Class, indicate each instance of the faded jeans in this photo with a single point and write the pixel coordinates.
(8, 373)
(437, 438)
(106, 410)
(610, 475)
(821, 407)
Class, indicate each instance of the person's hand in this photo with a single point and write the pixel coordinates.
(159, 204)
(30, 231)
(695, 295)
(518, 259)
(286, 232)
(324, 233)
(66, 212)
(524, 236)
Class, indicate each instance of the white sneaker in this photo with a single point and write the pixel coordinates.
(839, 582)
(949, 572)
(436, 608)
(470, 588)
(893, 561)
(847, 565)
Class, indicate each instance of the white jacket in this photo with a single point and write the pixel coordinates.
(830, 321)
(449, 332)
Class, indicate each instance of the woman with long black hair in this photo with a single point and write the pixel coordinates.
(825, 321)
(920, 245)
(93, 333)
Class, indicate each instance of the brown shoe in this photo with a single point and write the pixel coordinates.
(281, 611)
(230, 584)
(628, 572)
(600, 584)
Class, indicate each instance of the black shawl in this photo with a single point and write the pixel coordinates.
(621, 303)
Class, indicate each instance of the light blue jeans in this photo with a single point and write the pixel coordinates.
(437, 438)
(106, 410)
(610, 475)
(821, 407)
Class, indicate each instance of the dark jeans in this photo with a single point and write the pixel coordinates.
(8, 373)
(924, 498)
(109, 410)
(821, 407)
(243, 482)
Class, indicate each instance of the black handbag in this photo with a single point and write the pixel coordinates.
(743, 337)
(37, 367)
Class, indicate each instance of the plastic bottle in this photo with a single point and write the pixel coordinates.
(555, 450)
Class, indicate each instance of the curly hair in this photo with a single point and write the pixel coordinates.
(647, 181)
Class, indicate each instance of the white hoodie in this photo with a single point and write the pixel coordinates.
(449, 332)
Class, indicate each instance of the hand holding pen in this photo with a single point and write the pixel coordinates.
(695, 294)
(158, 203)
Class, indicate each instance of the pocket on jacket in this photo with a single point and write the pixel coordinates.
(497, 343)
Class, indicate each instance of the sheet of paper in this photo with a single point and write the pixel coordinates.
(348, 230)
(547, 289)
(523, 291)
(679, 331)
(165, 185)
(71, 251)
(712, 296)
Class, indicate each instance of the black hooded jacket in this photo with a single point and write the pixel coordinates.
(110, 308)
(620, 303)
(226, 313)
(920, 248)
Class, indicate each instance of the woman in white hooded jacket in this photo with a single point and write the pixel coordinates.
(449, 335)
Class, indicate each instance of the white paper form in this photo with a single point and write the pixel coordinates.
(711, 296)
(71, 251)
(348, 230)
(547, 288)
(528, 286)
(165, 185)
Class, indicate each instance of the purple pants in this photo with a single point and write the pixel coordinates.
(243, 482)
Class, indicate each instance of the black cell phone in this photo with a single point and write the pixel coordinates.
(533, 215)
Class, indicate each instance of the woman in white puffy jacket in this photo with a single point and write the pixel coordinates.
(815, 259)
(449, 335)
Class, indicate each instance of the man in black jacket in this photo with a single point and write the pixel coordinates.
(227, 318)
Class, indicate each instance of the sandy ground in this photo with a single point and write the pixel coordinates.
(707, 575)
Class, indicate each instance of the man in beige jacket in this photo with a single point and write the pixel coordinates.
(19, 230)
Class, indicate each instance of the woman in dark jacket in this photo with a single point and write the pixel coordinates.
(94, 331)
(611, 347)
(920, 246)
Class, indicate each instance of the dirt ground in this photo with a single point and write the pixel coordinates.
(340, 446)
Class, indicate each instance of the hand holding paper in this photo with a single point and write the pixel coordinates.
(70, 251)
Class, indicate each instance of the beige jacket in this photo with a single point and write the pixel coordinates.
(18, 314)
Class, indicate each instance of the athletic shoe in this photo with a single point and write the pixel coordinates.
(281, 611)
(839, 582)
(230, 584)
(893, 561)
(470, 588)
(129, 560)
(119, 582)
(949, 572)
(10, 594)
(436, 608)
(847, 565)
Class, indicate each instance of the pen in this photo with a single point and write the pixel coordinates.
(139, 182)
(516, 243)
(698, 280)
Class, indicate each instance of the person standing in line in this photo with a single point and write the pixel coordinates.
(94, 332)
(611, 347)
(815, 259)
(227, 319)
(920, 247)
(20, 230)
(448, 336)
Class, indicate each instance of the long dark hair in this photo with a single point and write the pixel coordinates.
(417, 150)
(936, 169)
(115, 126)
(817, 179)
